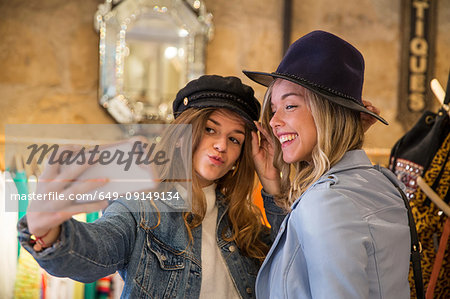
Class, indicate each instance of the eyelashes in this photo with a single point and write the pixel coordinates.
(211, 131)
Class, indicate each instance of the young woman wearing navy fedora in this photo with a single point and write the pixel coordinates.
(347, 233)
(213, 252)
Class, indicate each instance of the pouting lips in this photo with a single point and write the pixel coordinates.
(216, 159)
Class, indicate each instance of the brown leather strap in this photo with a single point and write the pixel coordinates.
(438, 261)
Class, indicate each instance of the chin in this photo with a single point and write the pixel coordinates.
(210, 178)
(290, 160)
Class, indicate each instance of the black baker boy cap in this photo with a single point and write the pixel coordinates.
(219, 92)
(325, 64)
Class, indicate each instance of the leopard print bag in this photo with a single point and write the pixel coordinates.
(424, 151)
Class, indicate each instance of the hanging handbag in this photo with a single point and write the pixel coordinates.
(424, 151)
(416, 248)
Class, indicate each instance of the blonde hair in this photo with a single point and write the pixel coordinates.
(339, 130)
(236, 186)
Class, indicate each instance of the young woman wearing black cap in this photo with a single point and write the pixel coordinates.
(213, 251)
(347, 233)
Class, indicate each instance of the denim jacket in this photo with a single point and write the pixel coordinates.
(347, 236)
(154, 262)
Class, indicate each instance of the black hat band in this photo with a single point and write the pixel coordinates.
(192, 99)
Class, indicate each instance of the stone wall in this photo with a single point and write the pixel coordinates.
(249, 36)
(49, 53)
(49, 63)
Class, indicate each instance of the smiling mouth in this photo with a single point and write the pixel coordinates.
(287, 137)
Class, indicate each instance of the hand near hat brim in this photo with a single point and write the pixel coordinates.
(367, 119)
(263, 153)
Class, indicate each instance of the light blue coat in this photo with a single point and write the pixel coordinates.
(346, 237)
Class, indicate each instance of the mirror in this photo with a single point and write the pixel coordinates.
(149, 49)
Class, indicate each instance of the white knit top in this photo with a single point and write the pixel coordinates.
(216, 278)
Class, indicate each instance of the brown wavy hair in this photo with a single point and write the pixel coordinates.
(339, 130)
(237, 186)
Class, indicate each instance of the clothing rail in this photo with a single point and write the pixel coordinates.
(433, 196)
(439, 93)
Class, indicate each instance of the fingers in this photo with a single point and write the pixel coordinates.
(255, 143)
(50, 171)
(262, 130)
(54, 161)
(85, 208)
(265, 135)
(373, 109)
(85, 186)
(367, 119)
(366, 103)
(68, 174)
(64, 182)
(55, 175)
(37, 247)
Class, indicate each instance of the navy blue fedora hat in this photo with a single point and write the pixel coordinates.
(326, 64)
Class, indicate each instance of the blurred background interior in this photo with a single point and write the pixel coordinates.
(56, 67)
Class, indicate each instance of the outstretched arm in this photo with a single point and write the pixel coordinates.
(87, 251)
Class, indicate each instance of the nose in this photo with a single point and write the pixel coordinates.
(276, 120)
(220, 145)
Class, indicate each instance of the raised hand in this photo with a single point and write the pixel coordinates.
(263, 152)
(368, 120)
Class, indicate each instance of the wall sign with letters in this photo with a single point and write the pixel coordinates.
(417, 59)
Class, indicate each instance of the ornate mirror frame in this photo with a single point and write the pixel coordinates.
(148, 50)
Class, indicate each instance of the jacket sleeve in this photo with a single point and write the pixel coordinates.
(87, 251)
(275, 215)
(336, 244)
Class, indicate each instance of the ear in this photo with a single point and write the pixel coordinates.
(235, 168)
